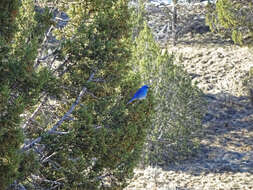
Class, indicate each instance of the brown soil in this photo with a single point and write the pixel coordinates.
(225, 160)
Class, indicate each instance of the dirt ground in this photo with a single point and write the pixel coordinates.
(225, 161)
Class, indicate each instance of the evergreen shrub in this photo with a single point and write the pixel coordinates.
(179, 104)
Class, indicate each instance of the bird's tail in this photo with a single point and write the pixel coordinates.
(130, 101)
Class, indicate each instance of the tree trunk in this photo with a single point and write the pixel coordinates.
(174, 22)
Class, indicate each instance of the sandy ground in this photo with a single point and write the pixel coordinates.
(225, 161)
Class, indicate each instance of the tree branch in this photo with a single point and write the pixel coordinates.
(44, 99)
(55, 127)
(66, 116)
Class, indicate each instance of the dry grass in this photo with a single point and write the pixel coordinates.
(226, 157)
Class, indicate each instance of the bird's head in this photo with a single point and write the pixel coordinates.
(145, 86)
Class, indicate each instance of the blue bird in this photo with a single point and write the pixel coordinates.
(140, 94)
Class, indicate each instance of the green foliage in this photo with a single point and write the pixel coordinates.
(237, 37)
(99, 150)
(179, 107)
(99, 145)
(105, 138)
(211, 18)
(29, 164)
(20, 84)
(233, 19)
(8, 13)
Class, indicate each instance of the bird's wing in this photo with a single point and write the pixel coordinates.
(138, 94)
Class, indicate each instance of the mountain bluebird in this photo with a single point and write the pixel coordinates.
(140, 94)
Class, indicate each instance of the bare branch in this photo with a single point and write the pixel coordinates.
(47, 158)
(67, 115)
(37, 60)
(60, 132)
(38, 178)
(18, 186)
(54, 128)
(44, 99)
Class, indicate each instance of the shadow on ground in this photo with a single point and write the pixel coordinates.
(227, 141)
(204, 39)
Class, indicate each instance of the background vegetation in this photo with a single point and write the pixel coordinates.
(20, 85)
(179, 104)
(64, 122)
(232, 19)
(88, 137)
